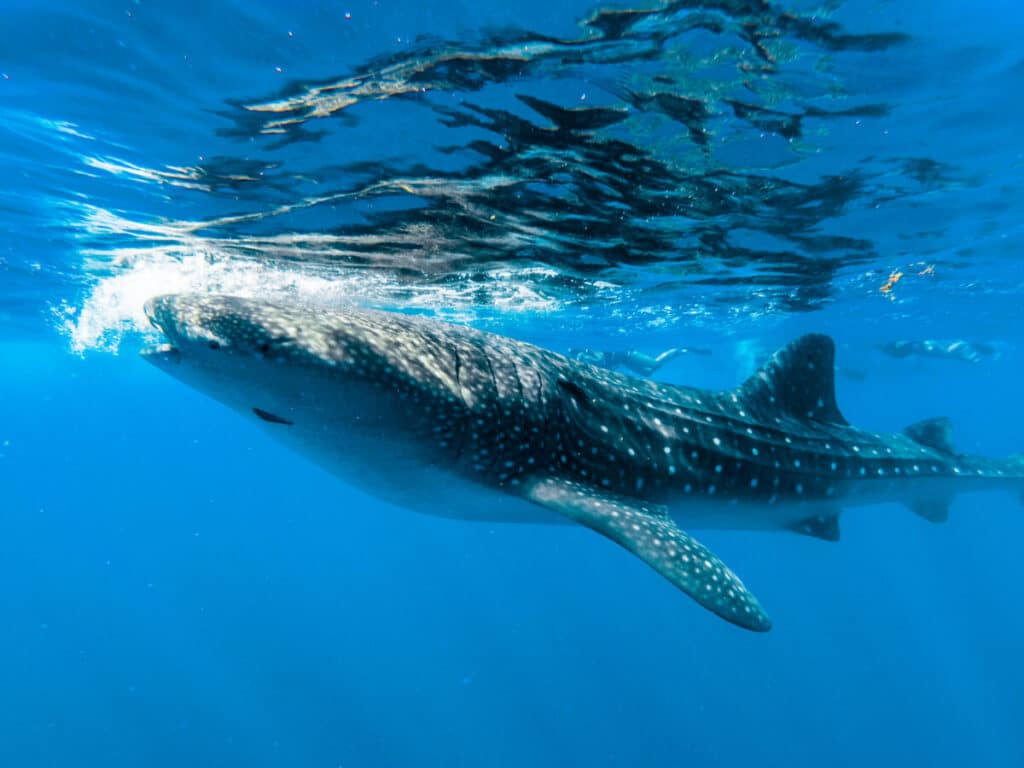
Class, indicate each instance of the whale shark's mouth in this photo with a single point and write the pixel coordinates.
(164, 351)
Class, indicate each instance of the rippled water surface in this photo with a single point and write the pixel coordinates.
(678, 163)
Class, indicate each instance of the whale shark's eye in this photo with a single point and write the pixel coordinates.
(214, 345)
(264, 348)
(272, 418)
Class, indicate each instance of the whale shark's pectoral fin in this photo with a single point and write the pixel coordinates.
(652, 536)
(823, 526)
(932, 510)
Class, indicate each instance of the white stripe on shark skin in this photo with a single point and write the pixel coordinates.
(452, 421)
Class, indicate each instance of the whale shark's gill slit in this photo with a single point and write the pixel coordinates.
(458, 368)
(272, 418)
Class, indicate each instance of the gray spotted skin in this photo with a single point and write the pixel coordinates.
(651, 535)
(453, 421)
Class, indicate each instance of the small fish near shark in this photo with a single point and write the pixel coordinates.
(498, 429)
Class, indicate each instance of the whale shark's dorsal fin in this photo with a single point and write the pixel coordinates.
(933, 433)
(799, 380)
(651, 535)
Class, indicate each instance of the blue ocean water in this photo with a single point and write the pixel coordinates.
(726, 174)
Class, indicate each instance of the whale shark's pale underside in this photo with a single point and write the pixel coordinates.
(453, 421)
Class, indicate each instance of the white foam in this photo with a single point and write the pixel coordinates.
(114, 306)
(112, 311)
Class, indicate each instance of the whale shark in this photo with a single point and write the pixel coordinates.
(452, 421)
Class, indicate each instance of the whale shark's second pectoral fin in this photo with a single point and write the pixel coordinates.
(652, 536)
(932, 510)
(824, 526)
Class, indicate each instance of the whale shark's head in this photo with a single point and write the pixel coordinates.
(339, 379)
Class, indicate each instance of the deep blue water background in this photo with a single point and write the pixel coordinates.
(178, 590)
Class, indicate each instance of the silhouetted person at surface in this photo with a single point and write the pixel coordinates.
(950, 349)
(632, 360)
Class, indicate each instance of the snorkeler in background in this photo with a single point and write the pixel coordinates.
(951, 349)
(632, 360)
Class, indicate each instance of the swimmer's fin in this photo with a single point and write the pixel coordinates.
(651, 535)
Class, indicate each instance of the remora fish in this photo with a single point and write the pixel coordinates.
(453, 421)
